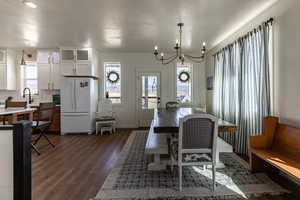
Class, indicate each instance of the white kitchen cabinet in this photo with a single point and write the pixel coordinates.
(48, 70)
(44, 76)
(79, 62)
(56, 77)
(2, 76)
(8, 69)
(83, 68)
(43, 57)
(67, 69)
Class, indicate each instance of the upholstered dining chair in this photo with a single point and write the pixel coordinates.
(13, 104)
(45, 115)
(197, 143)
(172, 104)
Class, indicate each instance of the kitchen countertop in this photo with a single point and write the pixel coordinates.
(37, 105)
(10, 111)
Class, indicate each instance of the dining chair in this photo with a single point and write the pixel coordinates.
(172, 104)
(45, 115)
(13, 104)
(197, 144)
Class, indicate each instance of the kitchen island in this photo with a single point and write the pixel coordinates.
(15, 112)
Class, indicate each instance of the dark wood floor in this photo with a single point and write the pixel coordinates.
(78, 166)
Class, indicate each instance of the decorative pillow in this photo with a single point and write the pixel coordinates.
(189, 157)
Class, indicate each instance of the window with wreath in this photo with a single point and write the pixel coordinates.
(112, 83)
(184, 83)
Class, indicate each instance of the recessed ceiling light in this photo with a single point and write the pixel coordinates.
(30, 3)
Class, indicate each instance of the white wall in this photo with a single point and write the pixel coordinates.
(286, 58)
(131, 62)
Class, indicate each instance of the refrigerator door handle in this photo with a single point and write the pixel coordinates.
(74, 95)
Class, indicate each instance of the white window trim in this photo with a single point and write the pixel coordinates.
(121, 77)
(23, 78)
(192, 84)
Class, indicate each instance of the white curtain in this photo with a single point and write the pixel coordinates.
(243, 85)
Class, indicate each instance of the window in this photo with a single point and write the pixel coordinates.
(112, 83)
(184, 83)
(30, 77)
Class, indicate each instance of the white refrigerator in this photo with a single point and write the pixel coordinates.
(79, 97)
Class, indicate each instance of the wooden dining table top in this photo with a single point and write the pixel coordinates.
(167, 120)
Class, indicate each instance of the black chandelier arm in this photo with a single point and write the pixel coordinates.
(198, 60)
(171, 57)
(168, 61)
(195, 57)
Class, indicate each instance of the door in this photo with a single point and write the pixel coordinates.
(68, 95)
(148, 96)
(44, 76)
(82, 95)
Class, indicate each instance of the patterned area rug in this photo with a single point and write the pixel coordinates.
(130, 179)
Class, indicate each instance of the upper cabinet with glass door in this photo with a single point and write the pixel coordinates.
(75, 55)
(67, 55)
(78, 62)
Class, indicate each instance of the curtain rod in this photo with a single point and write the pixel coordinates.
(269, 21)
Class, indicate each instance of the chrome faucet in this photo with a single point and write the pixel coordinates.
(29, 93)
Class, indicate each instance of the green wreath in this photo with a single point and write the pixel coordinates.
(182, 78)
(113, 73)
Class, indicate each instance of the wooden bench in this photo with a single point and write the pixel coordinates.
(157, 145)
(278, 146)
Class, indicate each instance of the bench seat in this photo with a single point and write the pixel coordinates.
(157, 146)
(156, 143)
(279, 160)
(279, 146)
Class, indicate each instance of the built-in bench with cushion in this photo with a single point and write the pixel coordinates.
(278, 146)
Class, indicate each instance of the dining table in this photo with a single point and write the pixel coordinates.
(15, 112)
(167, 121)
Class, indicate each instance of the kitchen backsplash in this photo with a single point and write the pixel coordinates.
(43, 96)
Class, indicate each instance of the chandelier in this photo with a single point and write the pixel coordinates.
(179, 53)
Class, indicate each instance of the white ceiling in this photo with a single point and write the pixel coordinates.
(119, 25)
